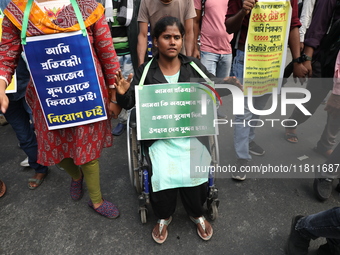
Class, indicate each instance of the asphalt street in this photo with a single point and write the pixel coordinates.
(254, 215)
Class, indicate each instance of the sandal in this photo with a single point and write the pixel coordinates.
(162, 223)
(2, 188)
(289, 136)
(326, 153)
(38, 182)
(200, 221)
(107, 209)
(76, 189)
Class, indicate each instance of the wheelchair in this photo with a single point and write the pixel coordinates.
(139, 163)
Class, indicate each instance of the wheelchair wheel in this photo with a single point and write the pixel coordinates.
(133, 149)
(133, 164)
(213, 211)
(143, 214)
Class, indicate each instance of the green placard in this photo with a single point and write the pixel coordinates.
(175, 110)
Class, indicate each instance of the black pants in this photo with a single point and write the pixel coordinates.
(164, 202)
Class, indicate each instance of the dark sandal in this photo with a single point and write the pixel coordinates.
(2, 188)
(290, 136)
(38, 182)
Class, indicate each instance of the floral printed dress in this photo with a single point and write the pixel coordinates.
(82, 143)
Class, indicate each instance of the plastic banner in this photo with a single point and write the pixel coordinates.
(65, 79)
(175, 110)
(266, 46)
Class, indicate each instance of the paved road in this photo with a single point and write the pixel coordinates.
(254, 215)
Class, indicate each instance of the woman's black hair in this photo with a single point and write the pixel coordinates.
(161, 25)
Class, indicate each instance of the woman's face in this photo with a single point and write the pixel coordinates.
(170, 42)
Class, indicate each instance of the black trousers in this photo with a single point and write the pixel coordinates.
(164, 202)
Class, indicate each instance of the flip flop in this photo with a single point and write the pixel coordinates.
(2, 188)
(200, 221)
(162, 223)
(289, 136)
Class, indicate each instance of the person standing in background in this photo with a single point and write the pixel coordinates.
(18, 115)
(151, 11)
(119, 16)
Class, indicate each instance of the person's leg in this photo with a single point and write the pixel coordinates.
(329, 134)
(90, 171)
(71, 168)
(259, 103)
(76, 189)
(92, 179)
(164, 205)
(127, 68)
(193, 199)
(209, 60)
(242, 132)
(224, 65)
(19, 119)
(318, 93)
(323, 224)
(327, 172)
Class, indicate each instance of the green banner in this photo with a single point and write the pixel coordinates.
(175, 110)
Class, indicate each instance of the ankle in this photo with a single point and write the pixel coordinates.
(96, 205)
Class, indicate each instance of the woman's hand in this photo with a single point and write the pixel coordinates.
(234, 81)
(3, 97)
(114, 109)
(121, 84)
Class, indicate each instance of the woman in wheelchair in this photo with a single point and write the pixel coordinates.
(171, 158)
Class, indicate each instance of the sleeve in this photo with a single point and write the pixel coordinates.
(10, 49)
(306, 17)
(127, 101)
(105, 51)
(233, 7)
(321, 19)
(143, 13)
(190, 13)
(336, 80)
(198, 4)
(295, 21)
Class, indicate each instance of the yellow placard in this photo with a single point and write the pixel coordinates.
(1, 19)
(12, 87)
(266, 46)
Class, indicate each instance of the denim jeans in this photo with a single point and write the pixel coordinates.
(125, 65)
(217, 64)
(243, 133)
(127, 68)
(323, 224)
(19, 118)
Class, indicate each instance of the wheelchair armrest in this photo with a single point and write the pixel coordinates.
(132, 121)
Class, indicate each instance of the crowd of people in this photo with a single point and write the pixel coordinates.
(190, 39)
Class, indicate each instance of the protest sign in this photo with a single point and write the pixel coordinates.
(266, 46)
(65, 79)
(175, 110)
